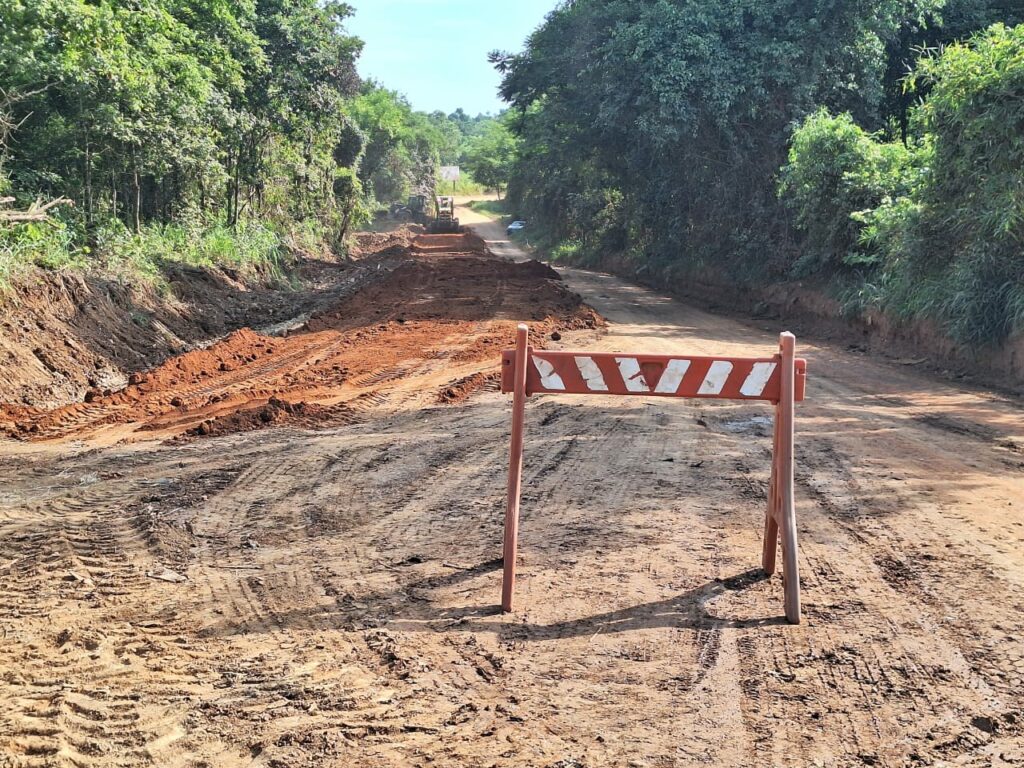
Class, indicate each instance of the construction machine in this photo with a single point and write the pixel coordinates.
(444, 221)
(417, 206)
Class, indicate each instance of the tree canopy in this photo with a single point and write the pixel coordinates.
(490, 154)
(654, 134)
(209, 112)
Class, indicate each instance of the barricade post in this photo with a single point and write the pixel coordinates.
(515, 470)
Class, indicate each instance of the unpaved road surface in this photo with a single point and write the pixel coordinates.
(322, 591)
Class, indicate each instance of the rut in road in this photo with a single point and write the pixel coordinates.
(339, 606)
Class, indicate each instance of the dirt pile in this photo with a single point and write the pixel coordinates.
(368, 245)
(462, 389)
(466, 242)
(64, 334)
(461, 288)
(237, 350)
(424, 323)
(275, 413)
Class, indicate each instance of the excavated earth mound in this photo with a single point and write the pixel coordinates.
(64, 333)
(275, 413)
(429, 327)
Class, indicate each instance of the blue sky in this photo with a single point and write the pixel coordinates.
(435, 51)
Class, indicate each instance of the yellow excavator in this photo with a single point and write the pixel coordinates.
(444, 221)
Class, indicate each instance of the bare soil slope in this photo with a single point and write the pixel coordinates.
(423, 323)
(66, 333)
(298, 597)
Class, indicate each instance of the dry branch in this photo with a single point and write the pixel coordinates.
(38, 211)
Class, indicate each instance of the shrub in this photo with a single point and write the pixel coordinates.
(145, 254)
(837, 172)
(975, 114)
(43, 244)
(566, 251)
(131, 256)
(955, 249)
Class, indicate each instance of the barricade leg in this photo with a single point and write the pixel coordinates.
(515, 471)
(784, 457)
(771, 520)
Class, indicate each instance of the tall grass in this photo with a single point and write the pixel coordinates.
(466, 185)
(136, 257)
(145, 254)
(495, 209)
(49, 245)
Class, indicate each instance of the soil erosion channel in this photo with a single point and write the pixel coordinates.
(177, 590)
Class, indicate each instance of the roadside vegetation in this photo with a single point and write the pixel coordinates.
(199, 132)
(465, 186)
(490, 155)
(874, 148)
(495, 209)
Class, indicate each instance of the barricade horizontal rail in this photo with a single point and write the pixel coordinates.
(779, 379)
(585, 373)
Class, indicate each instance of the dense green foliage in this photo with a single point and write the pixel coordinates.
(405, 149)
(495, 209)
(489, 156)
(955, 247)
(174, 124)
(837, 173)
(150, 111)
(659, 135)
(940, 227)
(402, 147)
(670, 119)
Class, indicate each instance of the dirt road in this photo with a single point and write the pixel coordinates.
(300, 597)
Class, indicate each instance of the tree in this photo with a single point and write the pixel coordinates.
(150, 109)
(672, 117)
(490, 156)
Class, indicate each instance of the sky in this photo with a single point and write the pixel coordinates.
(435, 51)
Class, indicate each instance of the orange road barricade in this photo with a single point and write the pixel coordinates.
(779, 379)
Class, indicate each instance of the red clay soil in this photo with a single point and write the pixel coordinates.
(328, 599)
(463, 388)
(367, 244)
(467, 242)
(434, 324)
(63, 333)
(275, 413)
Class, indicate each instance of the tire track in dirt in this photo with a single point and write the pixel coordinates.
(893, 665)
(341, 583)
(594, 511)
(880, 672)
(367, 717)
(80, 706)
(257, 569)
